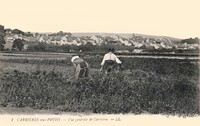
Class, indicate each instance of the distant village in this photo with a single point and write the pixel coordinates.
(136, 41)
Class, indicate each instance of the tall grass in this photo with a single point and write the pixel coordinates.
(145, 86)
(116, 93)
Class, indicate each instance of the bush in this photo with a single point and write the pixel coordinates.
(115, 93)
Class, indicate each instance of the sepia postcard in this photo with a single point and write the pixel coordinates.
(98, 62)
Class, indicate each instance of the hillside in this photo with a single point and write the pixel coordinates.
(125, 35)
(136, 41)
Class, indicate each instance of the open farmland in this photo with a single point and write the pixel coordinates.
(145, 85)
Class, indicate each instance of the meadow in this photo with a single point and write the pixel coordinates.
(154, 86)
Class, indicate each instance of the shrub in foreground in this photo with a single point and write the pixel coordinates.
(115, 93)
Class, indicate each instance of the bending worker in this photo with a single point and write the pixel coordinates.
(110, 61)
(81, 67)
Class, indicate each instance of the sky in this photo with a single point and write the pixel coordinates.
(175, 18)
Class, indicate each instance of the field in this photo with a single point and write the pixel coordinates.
(144, 85)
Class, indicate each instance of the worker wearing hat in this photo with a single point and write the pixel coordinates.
(81, 67)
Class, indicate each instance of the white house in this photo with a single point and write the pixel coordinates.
(125, 42)
(41, 39)
(137, 50)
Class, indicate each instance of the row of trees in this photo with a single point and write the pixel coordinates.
(43, 47)
(191, 41)
(17, 44)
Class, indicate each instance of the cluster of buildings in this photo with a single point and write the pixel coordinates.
(138, 42)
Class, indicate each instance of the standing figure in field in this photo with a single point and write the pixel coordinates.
(110, 62)
(81, 67)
